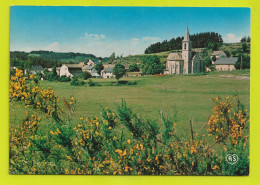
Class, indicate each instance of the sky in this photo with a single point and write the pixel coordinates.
(123, 30)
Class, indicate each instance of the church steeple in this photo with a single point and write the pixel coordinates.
(186, 52)
(187, 35)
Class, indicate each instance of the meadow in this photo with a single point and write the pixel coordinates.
(100, 134)
(190, 96)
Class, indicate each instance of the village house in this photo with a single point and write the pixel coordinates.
(218, 55)
(107, 73)
(226, 63)
(35, 69)
(90, 63)
(91, 70)
(71, 70)
(185, 62)
(88, 69)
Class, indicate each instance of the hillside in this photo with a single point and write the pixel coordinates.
(49, 58)
(232, 49)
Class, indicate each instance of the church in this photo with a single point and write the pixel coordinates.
(186, 61)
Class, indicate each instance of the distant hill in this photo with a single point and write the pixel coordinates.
(232, 49)
(50, 58)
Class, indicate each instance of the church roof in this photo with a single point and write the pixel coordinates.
(187, 35)
(174, 56)
(226, 61)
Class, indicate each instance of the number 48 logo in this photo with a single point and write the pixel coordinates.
(232, 158)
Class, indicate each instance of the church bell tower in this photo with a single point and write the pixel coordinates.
(186, 52)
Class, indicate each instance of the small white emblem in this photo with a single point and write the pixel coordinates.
(232, 158)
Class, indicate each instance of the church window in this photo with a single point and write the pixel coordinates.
(185, 46)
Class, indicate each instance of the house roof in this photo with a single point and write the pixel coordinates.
(226, 61)
(174, 56)
(108, 66)
(37, 68)
(73, 65)
(108, 70)
(215, 53)
(95, 74)
(88, 67)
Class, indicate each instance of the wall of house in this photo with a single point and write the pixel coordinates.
(64, 71)
(225, 67)
(107, 74)
(90, 63)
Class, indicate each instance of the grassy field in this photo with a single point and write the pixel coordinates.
(190, 95)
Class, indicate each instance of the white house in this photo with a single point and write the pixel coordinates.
(107, 73)
(218, 54)
(71, 70)
(226, 63)
(36, 69)
(90, 63)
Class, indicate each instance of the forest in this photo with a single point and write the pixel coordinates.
(211, 40)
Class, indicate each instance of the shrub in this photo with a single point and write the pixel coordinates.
(133, 67)
(91, 83)
(85, 75)
(152, 65)
(64, 78)
(51, 76)
(77, 82)
(132, 83)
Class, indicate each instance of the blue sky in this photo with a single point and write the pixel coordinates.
(123, 30)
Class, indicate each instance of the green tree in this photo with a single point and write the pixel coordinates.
(51, 76)
(243, 39)
(86, 75)
(133, 67)
(99, 67)
(207, 61)
(152, 65)
(243, 62)
(27, 65)
(214, 58)
(119, 71)
(244, 47)
(112, 58)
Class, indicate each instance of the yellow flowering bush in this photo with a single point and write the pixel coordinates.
(227, 122)
(25, 90)
(120, 142)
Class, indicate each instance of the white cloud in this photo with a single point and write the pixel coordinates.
(97, 44)
(53, 47)
(94, 36)
(134, 41)
(231, 38)
(150, 39)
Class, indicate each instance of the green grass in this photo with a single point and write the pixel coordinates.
(190, 95)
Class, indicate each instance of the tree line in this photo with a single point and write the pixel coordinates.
(47, 59)
(199, 40)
